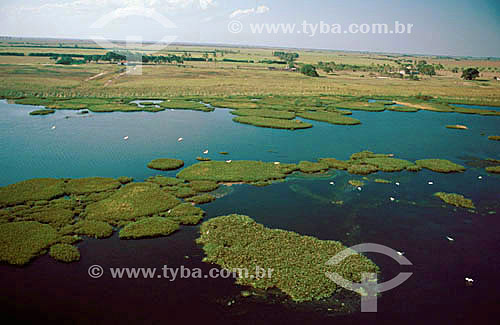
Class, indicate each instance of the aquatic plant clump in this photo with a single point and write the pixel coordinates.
(64, 253)
(335, 163)
(165, 164)
(356, 183)
(95, 229)
(55, 216)
(493, 169)
(297, 263)
(272, 123)
(22, 241)
(204, 186)
(185, 104)
(364, 106)
(232, 171)
(362, 169)
(457, 200)
(202, 198)
(388, 164)
(91, 185)
(312, 167)
(494, 137)
(130, 202)
(125, 180)
(329, 117)
(164, 181)
(271, 113)
(440, 165)
(31, 190)
(147, 228)
(42, 112)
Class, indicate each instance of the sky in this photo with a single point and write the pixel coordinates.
(440, 27)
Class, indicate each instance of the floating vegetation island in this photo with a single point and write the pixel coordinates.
(165, 164)
(298, 262)
(457, 200)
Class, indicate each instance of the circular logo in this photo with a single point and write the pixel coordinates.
(235, 27)
(96, 271)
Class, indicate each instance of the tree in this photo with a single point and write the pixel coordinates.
(309, 70)
(470, 74)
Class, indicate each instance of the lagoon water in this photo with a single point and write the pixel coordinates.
(416, 222)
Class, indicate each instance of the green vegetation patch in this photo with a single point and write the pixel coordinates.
(90, 228)
(388, 164)
(116, 107)
(165, 164)
(22, 241)
(42, 112)
(185, 104)
(494, 137)
(31, 190)
(185, 214)
(88, 185)
(329, 117)
(125, 180)
(271, 113)
(164, 181)
(34, 101)
(64, 253)
(356, 183)
(204, 186)
(401, 108)
(148, 228)
(362, 169)
(312, 167)
(363, 106)
(457, 200)
(130, 202)
(382, 181)
(298, 262)
(273, 123)
(335, 163)
(440, 165)
(202, 198)
(55, 216)
(493, 169)
(184, 192)
(234, 171)
(233, 103)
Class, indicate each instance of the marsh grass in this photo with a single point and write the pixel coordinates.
(149, 228)
(88, 185)
(494, 137)
(130, 202)
(90, 228)
(21, 241)
(237, 241)
(31, 190)
(164, 181)
(329, 117)
(64, 253)
(185, 104)
(42, 112)
(312, 167)
(457, 200)
(236, 171)
(272, 123)
(204, 186)
(270, 113)
(202, 198)
(493, 169)
(166, 164)
(440, 165)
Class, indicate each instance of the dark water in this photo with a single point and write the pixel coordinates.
(415, 223)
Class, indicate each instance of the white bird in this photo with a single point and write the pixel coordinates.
(332, 183)
(449, 238)
(180, 139)
(397, 183)
(125, 138)
(359, 188)
(205, 152)
(469, 280)
(430, 183)
(480, 177)
(400, 253)
(276, 162)
(53, 128)
(392, 199)
(229, 161)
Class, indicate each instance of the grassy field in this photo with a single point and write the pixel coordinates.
(39, 76)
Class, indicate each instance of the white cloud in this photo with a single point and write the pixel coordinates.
(252, 11)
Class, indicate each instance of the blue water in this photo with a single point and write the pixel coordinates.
(93, 145)
(415, 223)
